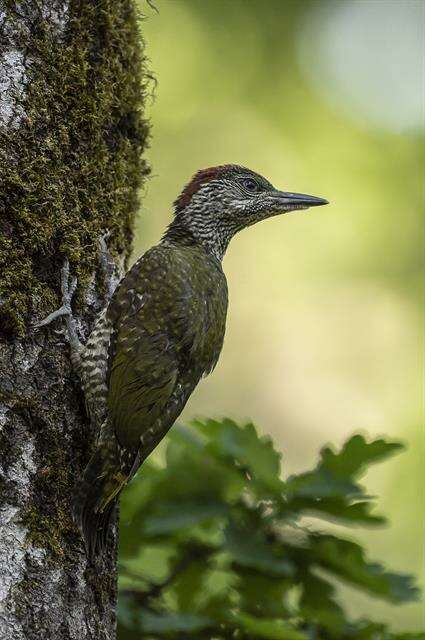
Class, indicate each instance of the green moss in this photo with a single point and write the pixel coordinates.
(48, 514)
(44, 534)
(74, 163)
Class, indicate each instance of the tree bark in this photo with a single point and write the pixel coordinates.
(71, 136)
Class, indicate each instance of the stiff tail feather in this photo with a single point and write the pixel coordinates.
(97, 492)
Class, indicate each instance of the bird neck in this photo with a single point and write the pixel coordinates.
(211, 236)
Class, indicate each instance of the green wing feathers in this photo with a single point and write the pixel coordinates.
(142, 379)
(167, 321)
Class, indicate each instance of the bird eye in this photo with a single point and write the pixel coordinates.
(250, 184)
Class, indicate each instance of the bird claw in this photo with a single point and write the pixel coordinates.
(68, 289)
(62, 311)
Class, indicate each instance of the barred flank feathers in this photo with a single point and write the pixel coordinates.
(96, 495)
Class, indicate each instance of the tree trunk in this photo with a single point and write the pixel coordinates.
(71, 137)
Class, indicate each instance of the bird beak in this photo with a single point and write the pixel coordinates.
(299, 200)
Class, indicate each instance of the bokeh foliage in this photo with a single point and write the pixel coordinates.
(214, 544)
(326, 313)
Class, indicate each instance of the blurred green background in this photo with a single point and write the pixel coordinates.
(324, 334)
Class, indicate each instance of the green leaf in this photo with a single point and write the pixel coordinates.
(262, 595)
(356, 455)
(366, 630)
(317, 602)
(408, 636)
(253, 454)
(125, 611)
(172, 622)
(168, 518)
(248, 548)
(188, 586)
(335, 509)
(267, 629)
(346, 560)
(335, 474)
(193, 470)
(320, 484)
(151, 564)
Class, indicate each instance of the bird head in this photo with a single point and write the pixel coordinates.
(220, 201)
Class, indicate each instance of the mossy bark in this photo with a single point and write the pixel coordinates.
(71, 137)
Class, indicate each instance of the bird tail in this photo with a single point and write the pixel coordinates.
(97, 492)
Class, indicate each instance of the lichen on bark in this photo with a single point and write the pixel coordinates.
(72, 133)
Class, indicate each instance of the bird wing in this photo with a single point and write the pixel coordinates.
(151, 330)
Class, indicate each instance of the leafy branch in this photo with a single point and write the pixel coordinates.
(214, 543)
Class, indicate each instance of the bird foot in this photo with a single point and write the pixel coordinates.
(68, 287)
(68, 290)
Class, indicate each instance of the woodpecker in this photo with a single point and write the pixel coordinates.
(161, 332)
